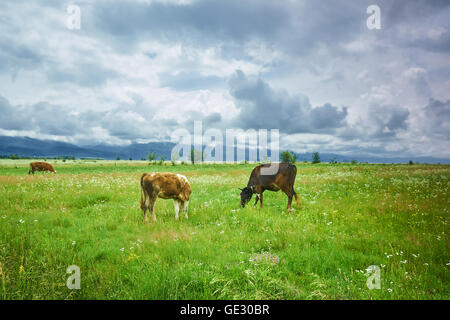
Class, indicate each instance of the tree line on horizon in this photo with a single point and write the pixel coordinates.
(153, 158)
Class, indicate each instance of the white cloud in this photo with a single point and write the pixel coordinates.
(164, 62)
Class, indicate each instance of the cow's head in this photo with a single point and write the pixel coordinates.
(246, 195)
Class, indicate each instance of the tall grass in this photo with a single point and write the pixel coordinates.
(349, 217)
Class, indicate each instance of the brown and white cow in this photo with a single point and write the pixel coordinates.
(283, 178)
(40, 166)
(165, 185)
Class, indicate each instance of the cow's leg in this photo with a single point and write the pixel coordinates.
(176, 204)
(296, 197)
(261, 199)
(151, 207)
(145, 214)
(149, 204)
(289, 202)
(257, 198)
(145, 203)
(290, 193)
(185, 208)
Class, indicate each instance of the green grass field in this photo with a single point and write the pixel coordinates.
(349, 217)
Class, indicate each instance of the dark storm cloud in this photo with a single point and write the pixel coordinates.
(439, 44)
(212, 119)
(328, 116)
(15, 56)
(438, 118)
(388, 119)
(13, 117)
(196, 22)
(44, 118)
(127, 121)
(41, 117)
(298, 28)
(403, 11)
(261, 106)
(419, 18)
(52, 119)
(381, 123)
(294, 27)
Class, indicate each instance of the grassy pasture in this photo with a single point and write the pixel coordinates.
(350, 217)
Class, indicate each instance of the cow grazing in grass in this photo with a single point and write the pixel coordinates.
(283, 179)
(40, 166)
(165, 185)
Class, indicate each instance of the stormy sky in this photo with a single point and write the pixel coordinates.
(137, 70)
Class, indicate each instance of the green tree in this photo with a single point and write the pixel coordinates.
(316, 157)
(161, 160)
(288, 156)
(174, 157)
(196, 155)
(152, 156)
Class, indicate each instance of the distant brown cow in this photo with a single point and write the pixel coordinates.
(40, 166)
(283, 179)
(165, 185)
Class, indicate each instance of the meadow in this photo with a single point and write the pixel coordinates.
(350, 216)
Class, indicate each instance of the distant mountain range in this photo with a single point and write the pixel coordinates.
(29, 147)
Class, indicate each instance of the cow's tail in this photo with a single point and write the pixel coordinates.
(142, 190)
(294, 175)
